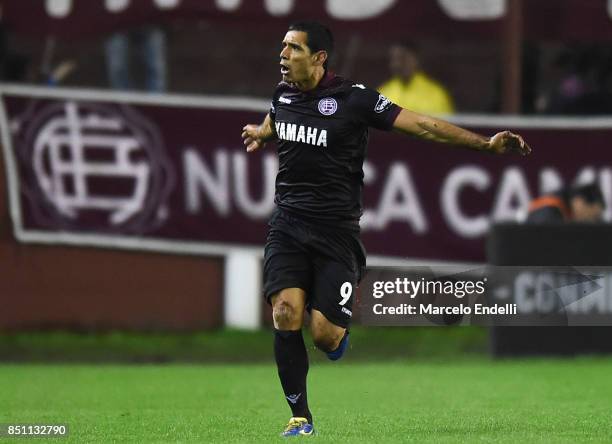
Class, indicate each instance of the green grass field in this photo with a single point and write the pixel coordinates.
(471, 400)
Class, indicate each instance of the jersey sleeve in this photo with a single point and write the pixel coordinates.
(277, 93)
(272, 111)
(372, 108)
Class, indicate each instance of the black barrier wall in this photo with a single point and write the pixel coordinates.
(550, 245)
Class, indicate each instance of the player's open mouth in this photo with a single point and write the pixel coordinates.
(284, 70)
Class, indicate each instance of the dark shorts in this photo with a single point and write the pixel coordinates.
(326, 263)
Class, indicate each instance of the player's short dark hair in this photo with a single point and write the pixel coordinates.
(590, 192)
(318, 37)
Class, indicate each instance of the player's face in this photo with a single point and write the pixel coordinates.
(296, 60)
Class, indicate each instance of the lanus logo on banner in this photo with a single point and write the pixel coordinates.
(94, 168)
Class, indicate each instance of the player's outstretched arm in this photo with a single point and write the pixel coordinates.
(438, 130)
(255, 136)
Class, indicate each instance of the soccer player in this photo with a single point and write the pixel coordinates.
(313, 256)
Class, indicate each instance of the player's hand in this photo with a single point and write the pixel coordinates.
(251, 138)
(507, 142)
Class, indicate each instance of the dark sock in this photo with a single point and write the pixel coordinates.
(292, 362)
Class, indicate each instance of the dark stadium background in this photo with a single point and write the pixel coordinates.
(75, 308)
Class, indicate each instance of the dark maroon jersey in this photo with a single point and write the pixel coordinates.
(322, 141)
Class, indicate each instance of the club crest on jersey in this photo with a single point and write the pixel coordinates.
(328, 106)
(382, 104)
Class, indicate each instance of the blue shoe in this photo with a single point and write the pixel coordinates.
(298, 427)
(337, 353)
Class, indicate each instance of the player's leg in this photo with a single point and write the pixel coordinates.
(291, 356)
(332, 300)
(327, 336)
(289, 348)
(338, 263)
(288, 309)
(287, 275)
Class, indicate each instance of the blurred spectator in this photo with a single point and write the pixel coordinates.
(54, 75)
(584, 85)
(13, 66)
(61, 72)
(581, 203)
(410, 87)
(151, 47)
